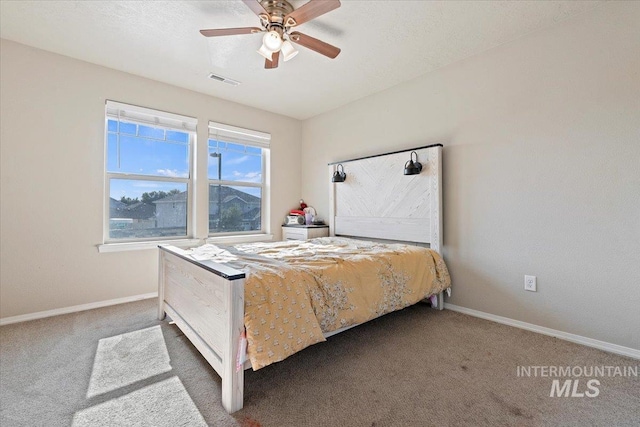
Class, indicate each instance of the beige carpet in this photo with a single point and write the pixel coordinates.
(418, 367)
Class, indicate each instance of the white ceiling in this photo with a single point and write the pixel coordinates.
(383, 43)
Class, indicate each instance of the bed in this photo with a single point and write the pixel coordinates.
(249, 305)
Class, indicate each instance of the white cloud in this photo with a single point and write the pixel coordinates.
(236, 161)
(247, 176)
(147, 184)
(169, 172)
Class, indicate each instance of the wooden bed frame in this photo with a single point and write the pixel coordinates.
(206, 299)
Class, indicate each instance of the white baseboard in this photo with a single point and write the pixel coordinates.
(589, 342)
(74, 309)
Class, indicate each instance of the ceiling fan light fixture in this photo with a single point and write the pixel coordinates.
(265, 52)
(272, 41)
(277, 19)
(288, 51)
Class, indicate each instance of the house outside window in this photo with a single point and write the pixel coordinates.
(238, 180)
(148, 185)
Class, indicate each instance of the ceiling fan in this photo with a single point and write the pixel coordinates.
(278, 18)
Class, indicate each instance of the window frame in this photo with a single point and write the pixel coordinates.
(250, 138)
(166, 120)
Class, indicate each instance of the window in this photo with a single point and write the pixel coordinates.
(237, 171)
(149, 157)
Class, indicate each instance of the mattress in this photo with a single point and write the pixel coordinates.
(297, 290)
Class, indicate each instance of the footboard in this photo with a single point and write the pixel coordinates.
(206, 301)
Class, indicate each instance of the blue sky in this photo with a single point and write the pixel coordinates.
(146, 150)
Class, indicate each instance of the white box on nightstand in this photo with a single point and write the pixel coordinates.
(304, 232)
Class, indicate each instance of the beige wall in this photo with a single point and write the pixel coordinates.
(52, 165)
(541, 170)
(542, 160)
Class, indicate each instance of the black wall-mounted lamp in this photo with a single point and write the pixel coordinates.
(411, 167)
(339, 176)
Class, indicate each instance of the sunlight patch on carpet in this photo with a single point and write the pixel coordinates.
(165, 403)
(125, 359)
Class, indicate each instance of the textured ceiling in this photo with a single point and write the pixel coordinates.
(383, 43)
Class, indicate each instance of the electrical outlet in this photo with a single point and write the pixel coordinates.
(530, 283)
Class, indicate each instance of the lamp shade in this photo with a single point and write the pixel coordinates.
(272, 41)
(339, 175)
(411, 167)
(288, 51)
(265, 52)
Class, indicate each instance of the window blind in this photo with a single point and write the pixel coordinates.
(119, 111)
(220, 131)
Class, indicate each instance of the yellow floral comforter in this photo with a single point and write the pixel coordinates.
(296, 290)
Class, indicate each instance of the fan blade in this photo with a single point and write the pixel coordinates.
(314, 44)
(256, 7)
(230, 31)
(309, 11)
(274, 62)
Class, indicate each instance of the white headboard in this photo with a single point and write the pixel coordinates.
(378, 201)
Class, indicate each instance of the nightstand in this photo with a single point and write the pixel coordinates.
(304, 232)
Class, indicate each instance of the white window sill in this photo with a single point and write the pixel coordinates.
(240, 238)
(183, 243)
(153, 244)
